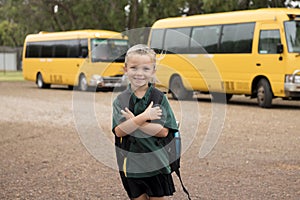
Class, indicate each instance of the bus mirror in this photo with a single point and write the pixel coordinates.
(279, 48)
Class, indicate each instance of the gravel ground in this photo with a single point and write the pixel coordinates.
(56, 144)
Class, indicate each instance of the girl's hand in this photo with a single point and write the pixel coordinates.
(153, 113)
(127, 113)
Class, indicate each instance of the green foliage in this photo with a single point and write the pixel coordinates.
(213, 6)
(267, 3)
(218, 5)
(21, 17)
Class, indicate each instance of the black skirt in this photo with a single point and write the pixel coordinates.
(154, 186)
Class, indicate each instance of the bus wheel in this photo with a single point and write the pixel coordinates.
(40, 82)
(178, 90)
(264, 94)
(82, 85)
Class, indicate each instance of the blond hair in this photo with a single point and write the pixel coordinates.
(141, 49)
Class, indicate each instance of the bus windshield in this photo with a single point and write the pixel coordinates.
(292, 31)
(108, 50)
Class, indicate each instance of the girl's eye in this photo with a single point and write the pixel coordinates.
(147, 68)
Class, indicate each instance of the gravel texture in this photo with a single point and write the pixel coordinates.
(57, 144)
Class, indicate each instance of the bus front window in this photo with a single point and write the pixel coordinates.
(292, 33)
(109, 50)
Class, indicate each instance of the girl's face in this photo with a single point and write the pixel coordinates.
(140, 70)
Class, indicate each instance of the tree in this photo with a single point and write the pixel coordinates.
(267, 3)
(12, 30)
(194, 7)
(142, 14)
(231, 5)
(19, 18)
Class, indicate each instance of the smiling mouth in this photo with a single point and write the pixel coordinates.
(139, 79)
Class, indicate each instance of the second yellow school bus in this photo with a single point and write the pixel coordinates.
(83, 58)
(255, 53)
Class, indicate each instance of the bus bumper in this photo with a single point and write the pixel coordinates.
(108, 82)
(292, 84)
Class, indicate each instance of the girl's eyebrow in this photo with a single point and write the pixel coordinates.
(142, 65)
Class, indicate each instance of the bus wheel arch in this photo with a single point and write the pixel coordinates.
(82, 82)
(40, 81)
(177, 89)
(261, 89)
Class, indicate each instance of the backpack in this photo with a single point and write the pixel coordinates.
(172, 142)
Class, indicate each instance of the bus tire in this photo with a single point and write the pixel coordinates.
(178, 90)
(264, 94)
(82, 84)
(40, 82)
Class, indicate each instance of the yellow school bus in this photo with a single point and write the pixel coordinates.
(83, 58)
(254, 53)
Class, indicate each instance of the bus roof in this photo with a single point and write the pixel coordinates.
(76, 34)
(263, 14)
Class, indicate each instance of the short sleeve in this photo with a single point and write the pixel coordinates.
(168, 115)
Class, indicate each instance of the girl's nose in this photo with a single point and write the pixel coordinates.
(139, 71)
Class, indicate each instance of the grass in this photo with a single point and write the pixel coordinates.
(11, 76)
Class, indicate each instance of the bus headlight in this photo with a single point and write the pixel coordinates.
(292, 79)
(297, 79)
(96, 80)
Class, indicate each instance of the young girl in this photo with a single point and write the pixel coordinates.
(145, 171)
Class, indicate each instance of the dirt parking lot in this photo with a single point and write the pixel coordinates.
(49, 149)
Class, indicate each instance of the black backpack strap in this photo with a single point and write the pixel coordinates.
(177, 171)
(123, 143)
(125, 99)
(156, 96)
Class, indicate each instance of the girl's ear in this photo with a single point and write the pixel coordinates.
(125, 68)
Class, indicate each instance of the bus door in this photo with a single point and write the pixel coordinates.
(269, 61)
(77, 60)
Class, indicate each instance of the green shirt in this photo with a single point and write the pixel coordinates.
(146, 156)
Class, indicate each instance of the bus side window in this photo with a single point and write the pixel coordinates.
(177, 40)
(156, 41)
(205, 39)
(268, 41)
(33, 49)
